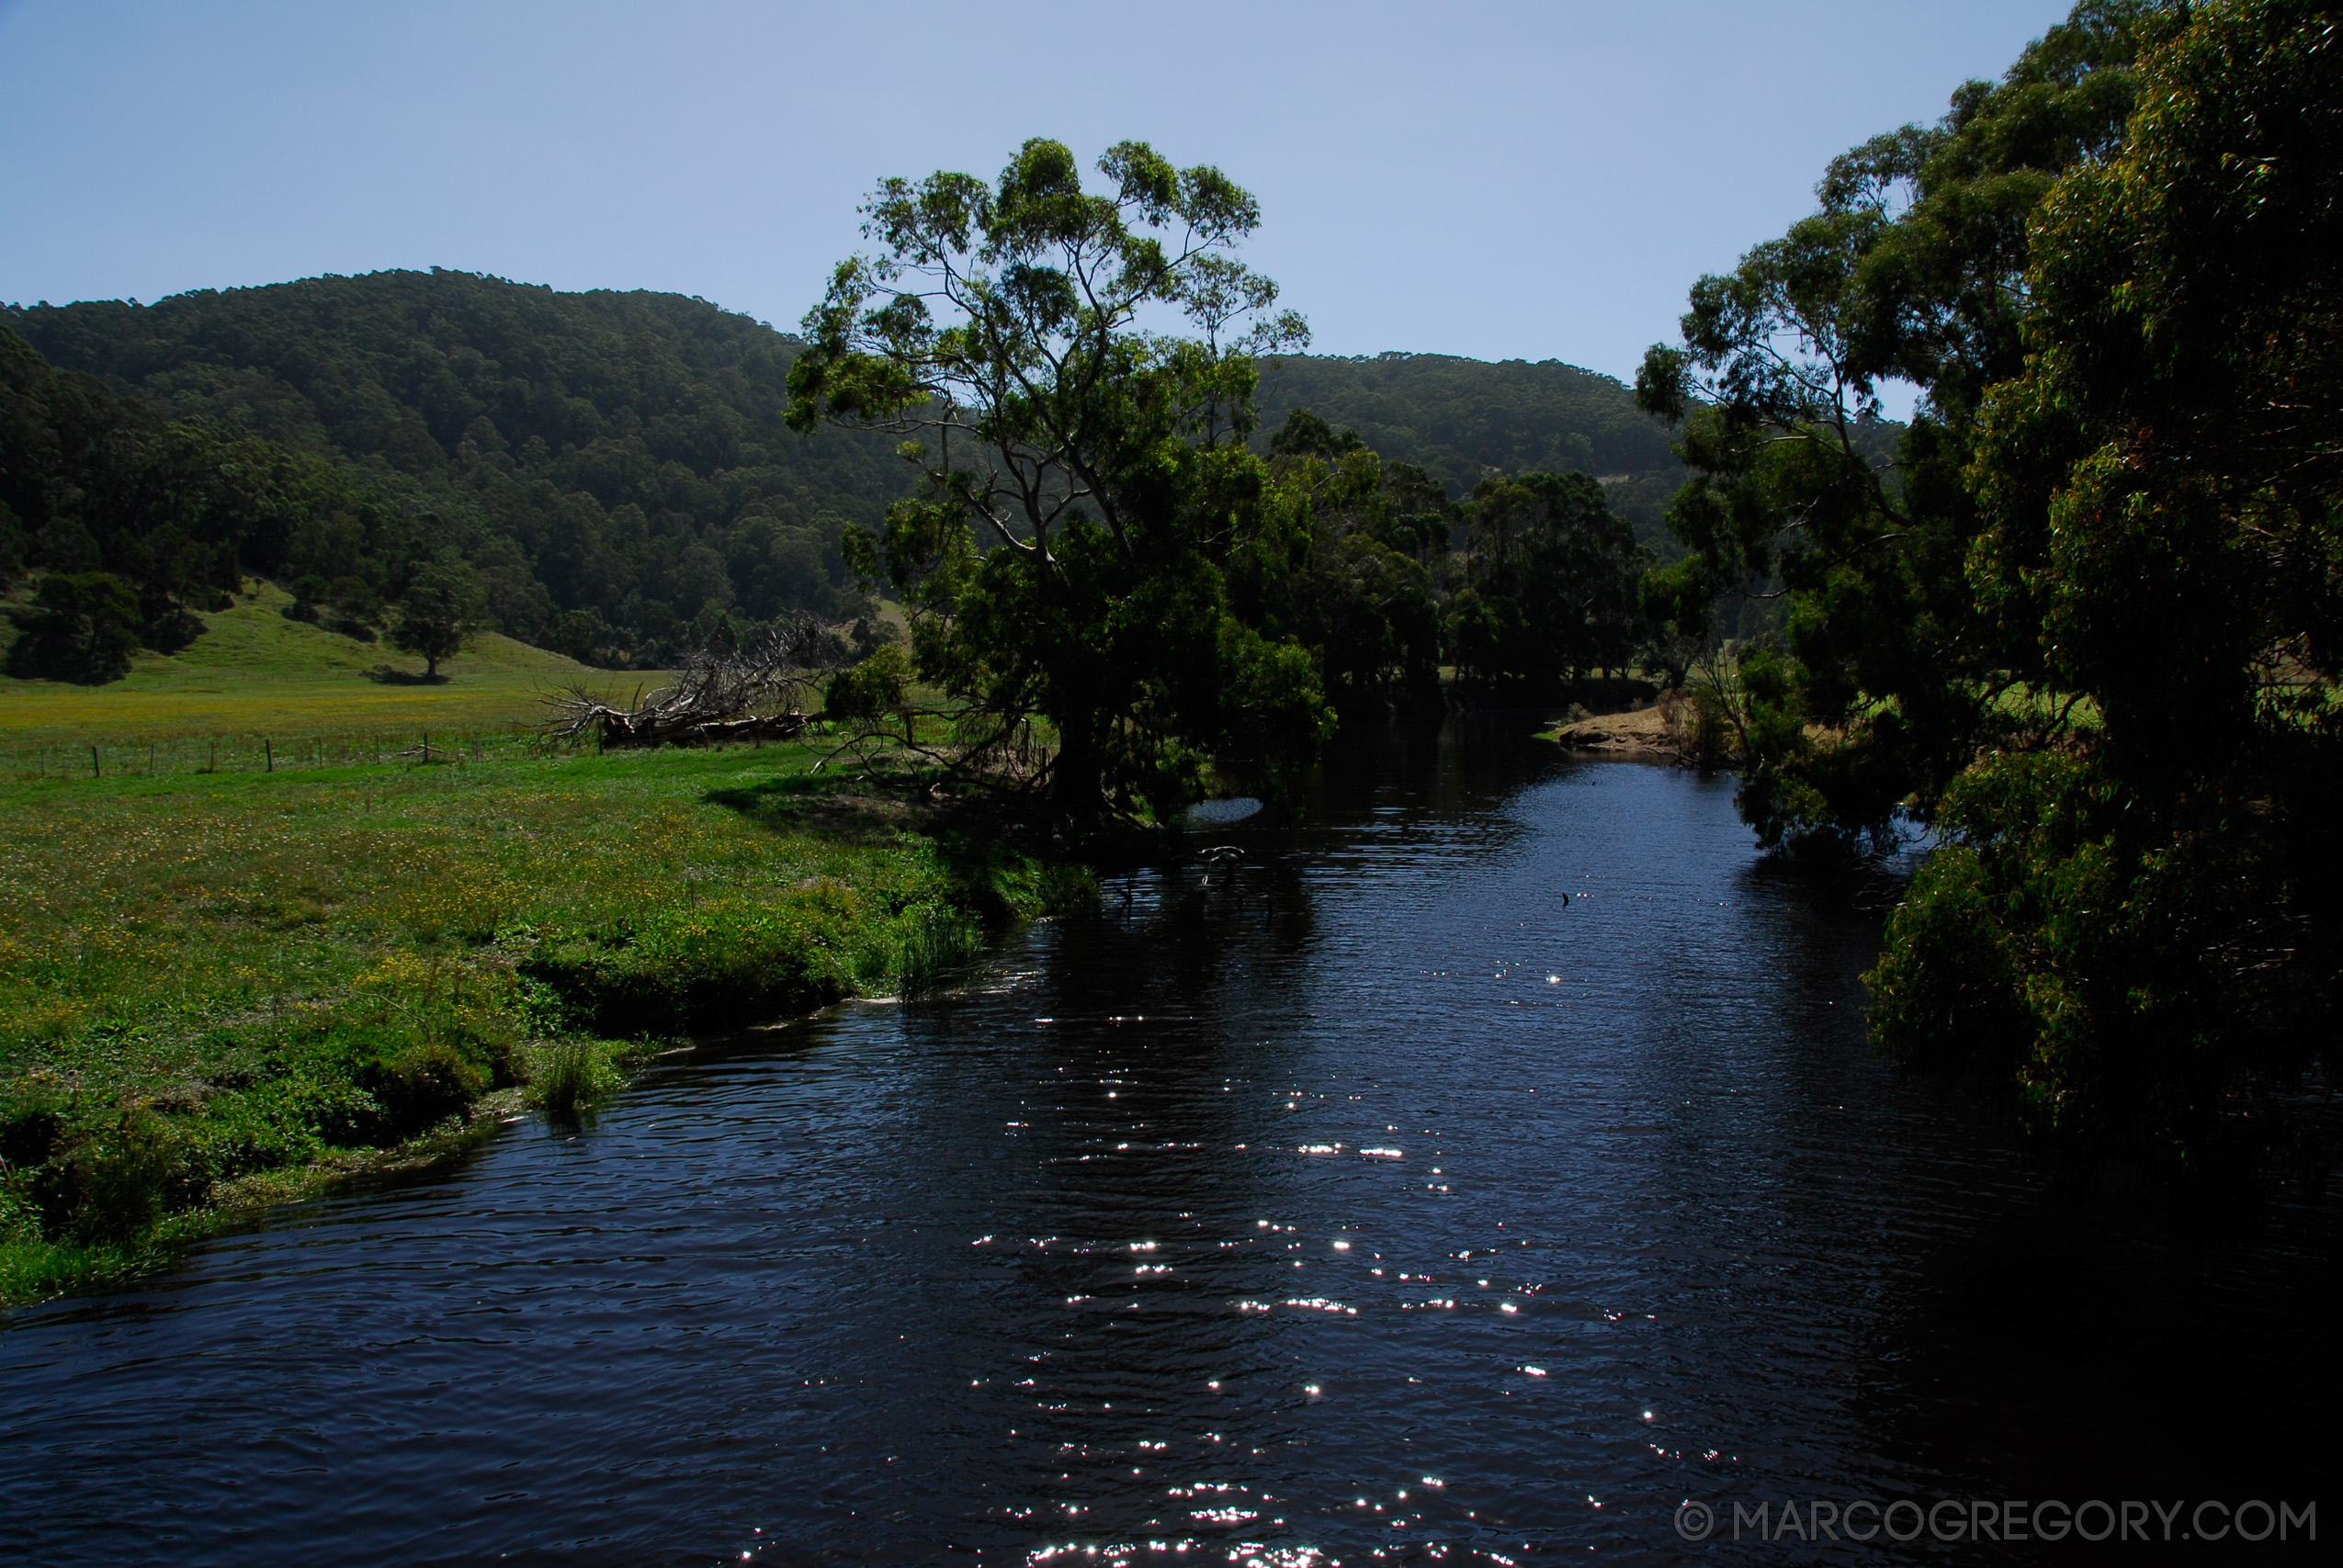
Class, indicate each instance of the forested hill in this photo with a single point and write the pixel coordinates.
(618, 454)
(619, 457)
(1464, 420)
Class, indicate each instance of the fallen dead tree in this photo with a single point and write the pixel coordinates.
(757, 692)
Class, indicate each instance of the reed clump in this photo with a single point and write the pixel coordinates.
(936, 944)
(569, 1076)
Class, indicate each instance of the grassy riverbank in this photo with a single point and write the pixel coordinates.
(218, 989)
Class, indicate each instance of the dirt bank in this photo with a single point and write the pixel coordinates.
(1658, 732)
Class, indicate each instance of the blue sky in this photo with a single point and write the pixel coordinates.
(1497, 180)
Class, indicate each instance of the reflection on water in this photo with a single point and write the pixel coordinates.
(1223, 812)
(1473, 1177)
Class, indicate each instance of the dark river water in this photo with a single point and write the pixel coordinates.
(1479, 1176)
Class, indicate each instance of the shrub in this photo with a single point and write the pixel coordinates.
(876, 686)
(112, 1184)
(309, 595)
(356, 608)
(422, 1087)
(171, 627)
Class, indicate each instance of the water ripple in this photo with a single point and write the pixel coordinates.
(1469, 1180)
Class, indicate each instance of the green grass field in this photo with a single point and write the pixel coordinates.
(255, 674)
(218, 988)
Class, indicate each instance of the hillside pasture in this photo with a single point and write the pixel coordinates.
(259, 689)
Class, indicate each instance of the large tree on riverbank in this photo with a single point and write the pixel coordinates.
(1887, 679)
(2085, 623)
(2142, 929)
(1087, 497)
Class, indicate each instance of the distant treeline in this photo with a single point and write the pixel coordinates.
(1463, 421)
(1527, 585)
(611, 467)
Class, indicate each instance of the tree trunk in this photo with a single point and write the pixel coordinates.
(1074, 782)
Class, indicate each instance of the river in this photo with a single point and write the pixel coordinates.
(1477, 1175)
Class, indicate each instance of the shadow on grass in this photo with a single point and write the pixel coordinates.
(383, 675)
(850, 806)
(996, 864)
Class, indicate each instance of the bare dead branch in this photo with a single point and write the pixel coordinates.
(761, 692)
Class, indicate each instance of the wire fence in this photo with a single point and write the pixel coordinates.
(259, 753)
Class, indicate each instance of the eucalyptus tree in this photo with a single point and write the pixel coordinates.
(439, 613)
(1086, 498)
(1549, 588)
(1363, 602)
(2084, 618)
(1887, 679)
(2139, 930)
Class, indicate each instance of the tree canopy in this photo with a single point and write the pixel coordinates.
(1913, 270)
(2080, 618)
(438, 614)
(1548, 591)
(1086, 495)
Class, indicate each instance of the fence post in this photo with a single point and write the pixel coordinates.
(268, 755)
(94, 770)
